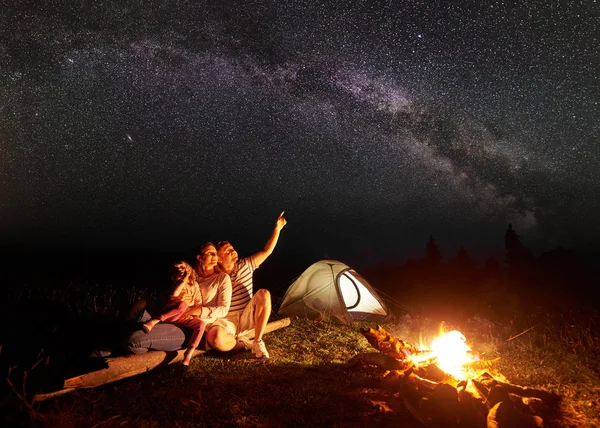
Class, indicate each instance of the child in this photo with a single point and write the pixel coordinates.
(185, 295)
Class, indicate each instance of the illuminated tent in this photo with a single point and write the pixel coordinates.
(330, 290)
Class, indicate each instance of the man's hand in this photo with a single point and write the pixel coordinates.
(281, 221)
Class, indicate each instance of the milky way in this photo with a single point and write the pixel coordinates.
(373, 124)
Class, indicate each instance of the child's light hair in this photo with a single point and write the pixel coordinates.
(179, 276)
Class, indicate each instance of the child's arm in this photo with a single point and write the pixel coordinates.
(178, 289)
(197, 295)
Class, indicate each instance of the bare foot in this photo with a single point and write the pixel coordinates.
(187, 356)
(149, 325)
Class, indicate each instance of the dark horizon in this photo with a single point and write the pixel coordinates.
(51, 266)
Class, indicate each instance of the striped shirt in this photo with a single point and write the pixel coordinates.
(241, 282)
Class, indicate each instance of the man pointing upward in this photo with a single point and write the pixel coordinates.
(248, 310)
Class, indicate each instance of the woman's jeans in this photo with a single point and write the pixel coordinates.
(162, 337)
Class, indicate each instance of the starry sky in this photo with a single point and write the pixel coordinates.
(373, 124)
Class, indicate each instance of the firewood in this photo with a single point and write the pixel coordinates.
(497, 394)
(441, 408)
(549, 398)
(391, 381)
(533, 409)
(505, 415)
(473, 413)
(413, 411)
(495, 416)
(535, 405)
(388, 343)
(419, 383)
(377, 359)
(432, 372)
(537, 422)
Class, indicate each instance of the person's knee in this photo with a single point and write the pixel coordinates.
(220, 340)
(134, 343)
(263, 297)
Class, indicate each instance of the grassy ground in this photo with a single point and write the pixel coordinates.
(306, 384)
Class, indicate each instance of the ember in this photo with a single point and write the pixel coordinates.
(445, 385)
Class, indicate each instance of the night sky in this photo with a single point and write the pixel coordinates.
(149, 124)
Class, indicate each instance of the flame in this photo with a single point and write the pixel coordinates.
(450, 352)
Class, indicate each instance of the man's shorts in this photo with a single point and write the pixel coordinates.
(238, 323)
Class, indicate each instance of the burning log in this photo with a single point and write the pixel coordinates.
(387, 343)
(377, 359)
(432, 372)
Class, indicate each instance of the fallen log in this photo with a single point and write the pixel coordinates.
(127, 366)
(272, 326)
(130, 365)
(119, 368)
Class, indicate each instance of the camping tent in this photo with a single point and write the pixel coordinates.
(330, 290)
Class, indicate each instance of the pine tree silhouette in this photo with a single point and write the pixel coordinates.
(433, 255)
(517, 255)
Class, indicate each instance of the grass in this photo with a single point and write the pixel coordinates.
(306, 382)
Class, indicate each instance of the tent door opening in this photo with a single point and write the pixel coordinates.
(359, 301)
(350, 291)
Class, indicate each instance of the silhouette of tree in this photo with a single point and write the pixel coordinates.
(518, 257)
(433, 256)
(463, 258)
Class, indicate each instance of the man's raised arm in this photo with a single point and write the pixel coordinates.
(262, 255)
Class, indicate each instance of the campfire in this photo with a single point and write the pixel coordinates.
(446, 384)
